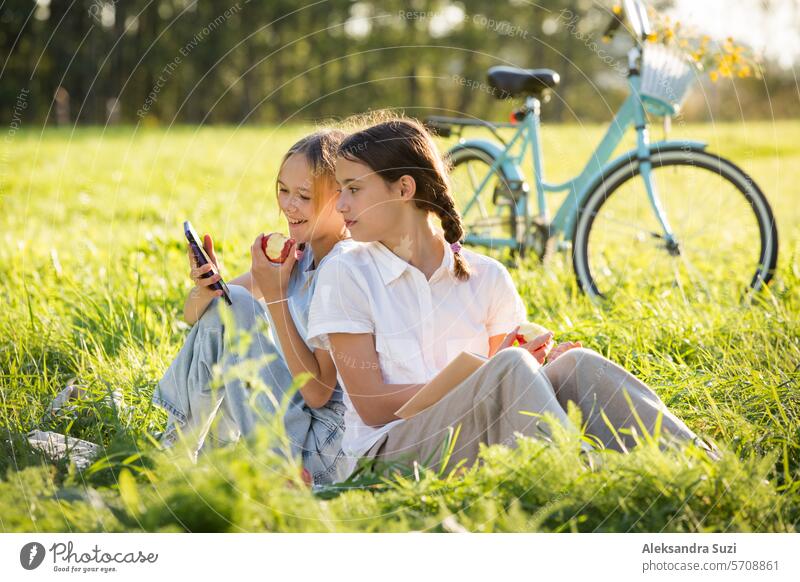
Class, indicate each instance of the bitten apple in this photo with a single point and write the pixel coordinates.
(276, 247)
(529, 331)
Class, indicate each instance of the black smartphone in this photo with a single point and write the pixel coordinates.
(200, 255)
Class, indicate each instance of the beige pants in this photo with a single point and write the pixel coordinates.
(487, 407)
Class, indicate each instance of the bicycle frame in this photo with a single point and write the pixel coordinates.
(631, 113)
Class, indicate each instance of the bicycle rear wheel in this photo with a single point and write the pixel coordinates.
(492, 216)
(727, 241)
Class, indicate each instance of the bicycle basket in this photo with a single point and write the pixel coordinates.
(667, 76)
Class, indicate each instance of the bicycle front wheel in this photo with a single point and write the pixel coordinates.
(726, 241)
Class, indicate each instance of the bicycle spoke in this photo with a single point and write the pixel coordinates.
(716, 230)
(630, 225)
(474, 188)
(484, 220)
(691, 268)
(677, 279)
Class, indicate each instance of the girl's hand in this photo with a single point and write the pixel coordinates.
(196, 272)
(539, 347)
(508, 341)
(272, 278)
(560, 349)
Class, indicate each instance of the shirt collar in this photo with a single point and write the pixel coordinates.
(392, 266)
(307, 263)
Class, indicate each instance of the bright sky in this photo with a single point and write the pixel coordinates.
(775, 31)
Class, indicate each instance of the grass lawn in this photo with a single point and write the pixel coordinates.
(92, 284)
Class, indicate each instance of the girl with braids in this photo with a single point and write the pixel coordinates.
(394, 311)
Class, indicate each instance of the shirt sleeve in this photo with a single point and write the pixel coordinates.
(507, 310)
(339, 304)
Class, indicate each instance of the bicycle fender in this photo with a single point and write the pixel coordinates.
(677, 144)
(655, 147)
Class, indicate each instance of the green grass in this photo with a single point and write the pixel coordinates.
(92, 282)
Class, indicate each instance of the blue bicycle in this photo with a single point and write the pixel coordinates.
(667, 214)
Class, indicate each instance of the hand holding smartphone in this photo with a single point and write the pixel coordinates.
(202, 258)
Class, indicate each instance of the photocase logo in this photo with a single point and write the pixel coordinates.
(31, 555)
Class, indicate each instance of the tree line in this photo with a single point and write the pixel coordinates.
(276, 61)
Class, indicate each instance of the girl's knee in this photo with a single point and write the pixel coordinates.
(243, 296)
(568, 364)
(511, 357)
(244, 307)
(211, 317)
(516, 363)
(239, 295)
(578, 356)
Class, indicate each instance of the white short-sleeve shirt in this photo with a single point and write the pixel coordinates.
(419, 325)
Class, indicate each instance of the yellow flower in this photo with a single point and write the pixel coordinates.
(714, 76)
(617, 9)
(728, 45)
(744, 71)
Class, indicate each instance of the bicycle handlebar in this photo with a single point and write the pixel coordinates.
(636, 13)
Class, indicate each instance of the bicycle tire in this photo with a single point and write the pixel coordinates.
(616, 177)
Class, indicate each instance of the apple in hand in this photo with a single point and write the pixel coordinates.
(276, 247)
(529, 331)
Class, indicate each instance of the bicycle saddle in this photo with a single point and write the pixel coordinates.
(512, 82)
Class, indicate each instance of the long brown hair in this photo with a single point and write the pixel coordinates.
(402, 146)
(319, 150)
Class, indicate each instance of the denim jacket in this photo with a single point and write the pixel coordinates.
(319, 430)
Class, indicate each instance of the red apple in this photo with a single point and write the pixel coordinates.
(276, 247)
